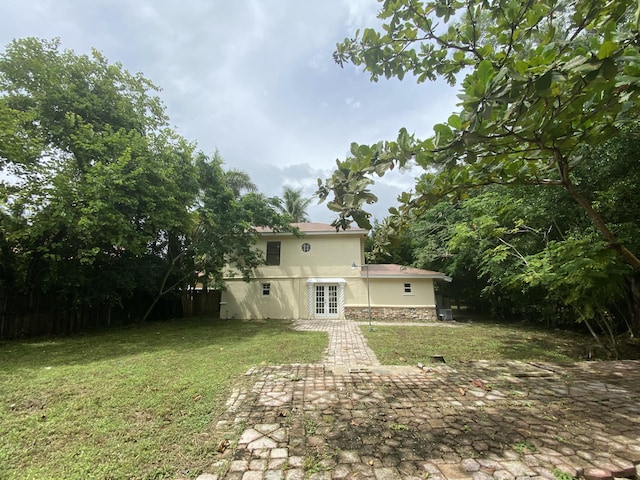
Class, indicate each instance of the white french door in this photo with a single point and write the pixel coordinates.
(326, 301)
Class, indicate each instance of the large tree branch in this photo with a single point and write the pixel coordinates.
(515, 252)
(593, 214)
(161, 290)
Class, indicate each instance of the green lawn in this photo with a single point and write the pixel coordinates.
(395, 345)
(141, 402)
(131, 403)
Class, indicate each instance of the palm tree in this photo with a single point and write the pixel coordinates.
(240, 182)
(294, 204)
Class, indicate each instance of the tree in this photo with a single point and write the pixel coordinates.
(239, 181)
(102, 178)
(294, 204)
(528, 252)
(543, 82)
(102, 200)
(222, 232)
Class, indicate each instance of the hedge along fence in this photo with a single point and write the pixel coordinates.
(35, 314)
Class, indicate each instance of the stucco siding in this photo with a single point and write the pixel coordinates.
(318, 281)
(246, 300)
(304, 271)
(326, 253)
(390, 292)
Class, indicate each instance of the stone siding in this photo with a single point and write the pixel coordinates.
(421, 314)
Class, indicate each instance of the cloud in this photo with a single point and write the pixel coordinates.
(353, 104)
(360, 13)
(253, 79)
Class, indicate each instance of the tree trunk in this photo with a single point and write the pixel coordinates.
(32, 305)
(162, 290)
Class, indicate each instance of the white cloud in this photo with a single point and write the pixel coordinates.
(254, 79)
(361, 13)
(353, 104)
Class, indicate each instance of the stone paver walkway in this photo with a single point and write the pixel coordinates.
(479, 420)
(347, 345)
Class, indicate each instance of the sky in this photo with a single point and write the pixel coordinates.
(253, 79)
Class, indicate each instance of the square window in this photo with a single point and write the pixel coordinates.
(266, 289)
(407, 288)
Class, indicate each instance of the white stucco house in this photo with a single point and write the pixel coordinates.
(322, 274)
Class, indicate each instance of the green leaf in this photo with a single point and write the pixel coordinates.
(607, 49)
(609, 68)
(363, 151)
(543, 83)
(459, 56)
(404, 139)
(455, 121)
(575, 62)
(369, 35)
(484, 73)
(404, 197)
(362, 219)
(443, 130)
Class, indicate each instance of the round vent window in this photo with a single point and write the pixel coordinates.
(306, 247)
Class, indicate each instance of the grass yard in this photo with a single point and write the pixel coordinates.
(141, 402)
(396, 345)
(134, 402)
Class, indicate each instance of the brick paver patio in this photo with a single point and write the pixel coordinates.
(352, 418)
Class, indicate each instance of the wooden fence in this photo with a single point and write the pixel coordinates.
(25, 316)
(199, 302)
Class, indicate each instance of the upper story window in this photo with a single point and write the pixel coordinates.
(273, 253)
(306, 247)
(407, 289)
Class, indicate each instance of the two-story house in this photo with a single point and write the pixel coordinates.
(322, 274)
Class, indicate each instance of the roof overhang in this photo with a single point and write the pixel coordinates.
(326, 280)
(311, 229)
(434, 276)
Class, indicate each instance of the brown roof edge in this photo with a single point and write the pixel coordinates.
(394, 270)
(314, 227)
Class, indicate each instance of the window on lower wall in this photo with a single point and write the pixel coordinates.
(266, 289)
(407, 289)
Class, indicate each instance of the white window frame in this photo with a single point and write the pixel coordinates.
(407, 288)
(266, 289)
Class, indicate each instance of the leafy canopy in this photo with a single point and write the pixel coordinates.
(294, 204)
(100, 198)
(101, 178)
(540, 82)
